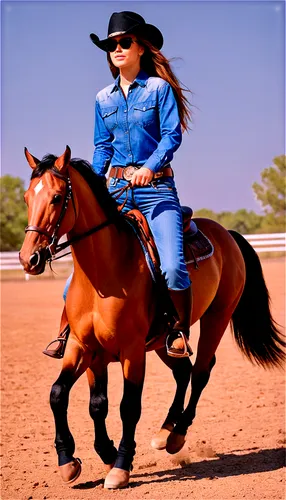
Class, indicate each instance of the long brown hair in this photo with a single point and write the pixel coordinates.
(156, 64)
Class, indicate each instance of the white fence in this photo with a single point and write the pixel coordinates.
(10, 261)
(275, 242)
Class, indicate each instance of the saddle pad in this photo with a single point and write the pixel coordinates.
(197, 247)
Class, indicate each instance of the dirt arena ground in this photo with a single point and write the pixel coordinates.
(234, 449)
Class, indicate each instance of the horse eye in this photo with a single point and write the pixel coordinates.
(56, 199)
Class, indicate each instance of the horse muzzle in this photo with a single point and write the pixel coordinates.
(35, 263)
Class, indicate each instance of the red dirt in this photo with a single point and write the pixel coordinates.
(234, 448)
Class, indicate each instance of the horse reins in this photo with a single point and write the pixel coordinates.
(53, 248)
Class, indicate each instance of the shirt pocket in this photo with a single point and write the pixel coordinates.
(145, 113)
(110, 117)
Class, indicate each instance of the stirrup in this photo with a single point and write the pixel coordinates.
(177, 353)
(62, 338)
(56, 353)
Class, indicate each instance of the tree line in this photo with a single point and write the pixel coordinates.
(270, 193)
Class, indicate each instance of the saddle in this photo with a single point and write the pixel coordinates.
(197, 246)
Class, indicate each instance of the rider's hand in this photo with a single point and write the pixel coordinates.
(142, 177)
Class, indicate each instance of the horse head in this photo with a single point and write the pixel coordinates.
(50, 215)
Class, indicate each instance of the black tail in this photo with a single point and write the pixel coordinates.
(254, 329)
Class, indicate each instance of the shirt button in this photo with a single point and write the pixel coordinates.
(125, 111)
(130, 154)
(144, 109)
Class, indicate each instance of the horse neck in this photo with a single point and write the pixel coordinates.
(95, 252)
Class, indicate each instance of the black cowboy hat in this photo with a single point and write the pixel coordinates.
(125, 22)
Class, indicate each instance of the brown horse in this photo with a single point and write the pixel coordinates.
(111, 305)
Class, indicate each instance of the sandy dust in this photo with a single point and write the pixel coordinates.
(234, 448)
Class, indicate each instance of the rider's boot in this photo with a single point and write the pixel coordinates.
(177, 341)
(58, 351)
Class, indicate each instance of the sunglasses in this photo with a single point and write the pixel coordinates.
(125, 43)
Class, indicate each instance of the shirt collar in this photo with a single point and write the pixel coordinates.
(116, 84)
(141, 79)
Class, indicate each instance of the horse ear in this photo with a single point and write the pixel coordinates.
(32, 160)
(62, 162)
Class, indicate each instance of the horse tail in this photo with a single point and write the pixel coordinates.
(253, 326)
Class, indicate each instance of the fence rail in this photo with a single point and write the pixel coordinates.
(262, 243)
(10, 261)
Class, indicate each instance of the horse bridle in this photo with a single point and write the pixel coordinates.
(53, 238)
(53, 248)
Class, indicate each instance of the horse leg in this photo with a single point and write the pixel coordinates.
(181, 369)
(213, 325)
(76, 361)
(98, 410)
(133, 365)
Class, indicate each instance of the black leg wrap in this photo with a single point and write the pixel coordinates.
(65, 448)
(125, 455)
(106, 451)
(173, 416)
(181, 428)
(64, 458)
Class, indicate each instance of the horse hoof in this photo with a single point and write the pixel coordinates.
(175, 443)
(116, 478)
(71, 471)
(108, 467)
(159, 442)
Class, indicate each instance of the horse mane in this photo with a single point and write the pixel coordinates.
(84, 168)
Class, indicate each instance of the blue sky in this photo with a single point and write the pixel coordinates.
(229, 53)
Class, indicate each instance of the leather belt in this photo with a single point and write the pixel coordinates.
(127, 172)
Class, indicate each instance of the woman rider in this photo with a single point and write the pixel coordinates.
(138, 126)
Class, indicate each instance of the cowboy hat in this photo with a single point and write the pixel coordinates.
(122, 23)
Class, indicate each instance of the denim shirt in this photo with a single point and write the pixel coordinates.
(142, 129)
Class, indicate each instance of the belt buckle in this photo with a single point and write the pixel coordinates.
(128, 172)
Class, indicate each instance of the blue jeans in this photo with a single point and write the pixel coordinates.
(160, 204)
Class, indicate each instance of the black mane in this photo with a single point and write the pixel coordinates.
(84, 168)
